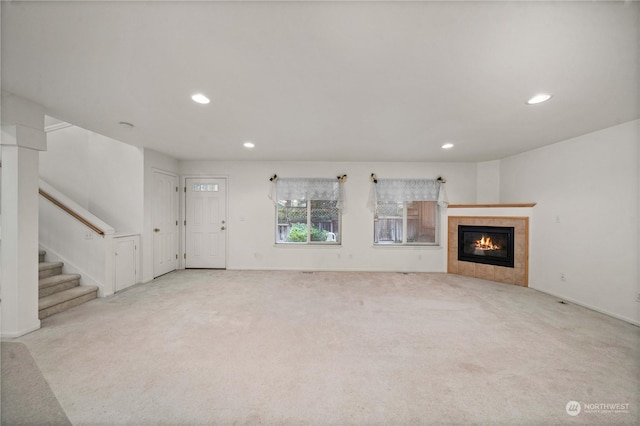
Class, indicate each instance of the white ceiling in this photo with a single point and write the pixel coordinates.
(352, 81)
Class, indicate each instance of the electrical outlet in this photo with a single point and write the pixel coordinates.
(563, 278)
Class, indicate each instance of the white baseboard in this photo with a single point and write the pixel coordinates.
(593, 308)
(322, 269)
(14, 334)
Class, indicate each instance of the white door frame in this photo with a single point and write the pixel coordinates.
(176, 206)
(183, 215)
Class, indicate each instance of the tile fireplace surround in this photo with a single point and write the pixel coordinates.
(482, 215)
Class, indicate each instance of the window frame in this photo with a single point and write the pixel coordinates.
(404, 218)
(308, 224)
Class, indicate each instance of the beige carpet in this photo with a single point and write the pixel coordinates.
(230, 347)
(26, 398)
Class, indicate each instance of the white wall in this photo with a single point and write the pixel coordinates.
(251, 218)
(0, 185)
(153, 160)
(489, 182)
(586, 219)
(101, 174)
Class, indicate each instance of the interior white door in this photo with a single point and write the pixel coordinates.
(206, 223)
(126, 249)
(165, 223)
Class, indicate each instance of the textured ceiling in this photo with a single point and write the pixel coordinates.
(348, 81)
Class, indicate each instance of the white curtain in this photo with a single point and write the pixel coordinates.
(307, 189)
(443, 199)
(406, 190)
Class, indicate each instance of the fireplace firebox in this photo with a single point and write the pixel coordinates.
(491, 245)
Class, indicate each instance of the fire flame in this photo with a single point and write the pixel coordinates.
(485, 243)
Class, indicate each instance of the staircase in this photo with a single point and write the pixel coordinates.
(58, 291)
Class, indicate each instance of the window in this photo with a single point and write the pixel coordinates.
(405, 212)
(410, 222)
(205, 187)
(307, 211)
(302, 221)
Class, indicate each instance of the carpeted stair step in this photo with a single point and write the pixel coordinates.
(49, 269)
(41, 255)
(66, 299)
(48, 286)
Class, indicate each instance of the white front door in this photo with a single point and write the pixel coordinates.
(165, 223)
(206, 223)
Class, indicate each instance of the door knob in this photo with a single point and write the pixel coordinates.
(222, 228)
(156, 229)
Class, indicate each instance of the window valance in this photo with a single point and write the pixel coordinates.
(307, 189)
(407, 190)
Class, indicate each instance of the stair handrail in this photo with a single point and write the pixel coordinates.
(72, 213)
(70, 207)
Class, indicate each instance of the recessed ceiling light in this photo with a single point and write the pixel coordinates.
(200, 98)
(447, 146)
(249, 145)
(539, 98)
(126, 125)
